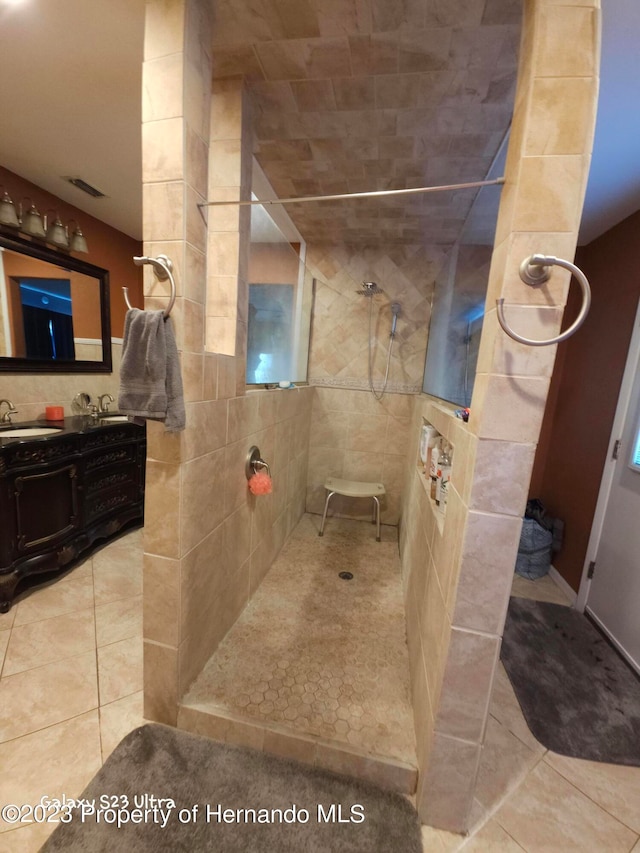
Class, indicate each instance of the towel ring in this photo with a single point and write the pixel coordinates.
(162, 267)
(534, 271)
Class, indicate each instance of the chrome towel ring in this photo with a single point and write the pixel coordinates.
(534, 271)
(162, 267)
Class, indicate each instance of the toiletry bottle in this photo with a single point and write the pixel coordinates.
(443, 475)
(433, 439)
(433, 467)
(424, 436)
(427, 440)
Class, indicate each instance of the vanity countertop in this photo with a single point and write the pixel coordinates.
(75, 425)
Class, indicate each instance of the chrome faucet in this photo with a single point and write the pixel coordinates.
(102, 406)
(5, 418)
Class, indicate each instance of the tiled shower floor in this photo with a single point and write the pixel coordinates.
(317, 657)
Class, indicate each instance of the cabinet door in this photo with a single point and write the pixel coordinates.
(46, 506)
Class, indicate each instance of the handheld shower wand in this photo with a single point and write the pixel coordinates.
(395, 310)
(369, 289)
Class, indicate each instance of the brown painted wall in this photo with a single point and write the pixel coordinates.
(108, 248)
(274, 263)
(584, 391)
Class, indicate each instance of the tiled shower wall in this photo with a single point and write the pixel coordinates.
(208, 542)
(339, 351)
(353, 435)
(458, 573)
(356, 437)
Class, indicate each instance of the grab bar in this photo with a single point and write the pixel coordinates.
(534, 271)
(162, 267)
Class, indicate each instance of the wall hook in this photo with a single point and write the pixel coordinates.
(534, 271)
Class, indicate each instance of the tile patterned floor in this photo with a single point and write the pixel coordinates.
(323, 656)
(56, 727)
(531, 799)
(70, 682)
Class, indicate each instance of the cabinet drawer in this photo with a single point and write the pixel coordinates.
(110, 500)
(104, 478)
(110, 456)
(21, 455)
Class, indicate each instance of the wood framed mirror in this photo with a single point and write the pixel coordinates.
(54, 311)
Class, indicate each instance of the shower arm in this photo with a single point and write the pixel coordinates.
(534, 271)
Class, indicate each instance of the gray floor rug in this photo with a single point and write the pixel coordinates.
(160, 762)
(577, 694)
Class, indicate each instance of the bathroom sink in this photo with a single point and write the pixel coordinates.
(27, 432)
(114, 419)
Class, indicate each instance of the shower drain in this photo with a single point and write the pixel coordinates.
(346, 576)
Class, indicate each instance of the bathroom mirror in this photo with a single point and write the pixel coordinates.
(54, 311)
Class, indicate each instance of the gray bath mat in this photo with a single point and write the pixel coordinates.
(577, 694)
(320, 812)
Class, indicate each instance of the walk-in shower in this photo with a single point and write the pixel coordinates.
(369, 290)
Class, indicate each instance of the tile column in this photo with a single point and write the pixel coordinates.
(229, 226)
(175, 140)
(457, 597)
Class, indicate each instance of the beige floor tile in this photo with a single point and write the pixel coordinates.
(47, 695)
(82, 570)
(504, 763)
(132, 540)
(54, 599)
(440, 841)
(58, 760)
(612, 786)
(117, 574)
(120, 669)
(636, 847)
(547, 813)
(478, 816)
(119, 620)
(4, 642)
(118, 719)
(542, 589)
(7, 619)
(320, 655)
(27, 839)
(492, 838)
(49, 640)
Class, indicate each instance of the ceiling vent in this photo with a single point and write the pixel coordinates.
(85, 187)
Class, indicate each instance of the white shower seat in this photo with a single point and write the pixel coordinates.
(353, 489)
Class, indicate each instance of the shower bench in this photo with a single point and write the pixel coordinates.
(353, 489)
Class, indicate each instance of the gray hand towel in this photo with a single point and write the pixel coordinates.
(150, 379)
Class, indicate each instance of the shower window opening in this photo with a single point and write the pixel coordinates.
(280, 301)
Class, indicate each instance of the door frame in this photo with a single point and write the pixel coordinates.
(632, 366)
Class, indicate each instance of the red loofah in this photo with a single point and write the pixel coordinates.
(260, 484)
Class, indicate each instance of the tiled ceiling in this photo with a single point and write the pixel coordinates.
(358, 95)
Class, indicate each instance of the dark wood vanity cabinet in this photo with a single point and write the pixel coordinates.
(61, 494)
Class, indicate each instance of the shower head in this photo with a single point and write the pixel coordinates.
(369, 288)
